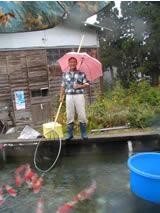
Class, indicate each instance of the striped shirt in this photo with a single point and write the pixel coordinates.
(70, 78)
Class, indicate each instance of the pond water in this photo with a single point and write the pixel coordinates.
(72, 175)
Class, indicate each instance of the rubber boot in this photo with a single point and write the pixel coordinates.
(70, 131)
(83, 130)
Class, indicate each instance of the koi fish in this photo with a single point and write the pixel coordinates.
(10, 190)
(67, 207)
(28, 173)
(1, 197)
(18, 180)
(33, 181)
(40, 206)
(18, 176)
(38, 185)
(20, 168)
(81, 196)
(86, 193)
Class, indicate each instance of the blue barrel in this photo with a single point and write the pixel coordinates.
(145, 175)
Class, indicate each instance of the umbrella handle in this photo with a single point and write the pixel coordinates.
(80, 44)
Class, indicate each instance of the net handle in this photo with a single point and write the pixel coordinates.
(58, 111)
(80, 44)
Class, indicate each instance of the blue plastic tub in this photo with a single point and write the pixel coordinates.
(145, 175)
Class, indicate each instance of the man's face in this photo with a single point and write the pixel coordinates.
(72, 64)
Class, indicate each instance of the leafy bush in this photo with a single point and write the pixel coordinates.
(137, 106)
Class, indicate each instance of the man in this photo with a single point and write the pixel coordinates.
(73, 84)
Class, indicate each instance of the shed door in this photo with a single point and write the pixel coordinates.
(37, 71)
(40, 113)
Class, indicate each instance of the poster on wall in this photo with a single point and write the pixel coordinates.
(20, 101)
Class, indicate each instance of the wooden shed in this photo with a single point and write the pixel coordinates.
(30, 76)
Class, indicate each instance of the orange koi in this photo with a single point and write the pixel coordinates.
(38, 185)
(20, 168)
(10, 190)
(1, 197)
(81, 196)
(1, 146)
(40, 206)
(67, 207)
(18, 176)
(33, 181)
(28, 173)
(86, 193)
(18, 180)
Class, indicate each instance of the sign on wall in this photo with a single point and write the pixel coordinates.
(20, 101)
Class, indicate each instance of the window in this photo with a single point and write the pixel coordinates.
(54, 54)
(39, 92)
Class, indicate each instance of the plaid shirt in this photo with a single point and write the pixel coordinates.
(70, 78)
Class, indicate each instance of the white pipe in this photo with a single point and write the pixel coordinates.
(130, 148)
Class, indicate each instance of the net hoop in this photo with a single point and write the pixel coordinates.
(58, 154)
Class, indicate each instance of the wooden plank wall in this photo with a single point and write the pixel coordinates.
(18, 81)
(5, 94)
(29, 70)
(5, 98)
(55, 76)
(22, 71)
(92, 91)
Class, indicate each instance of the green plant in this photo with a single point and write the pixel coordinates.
(136, 106)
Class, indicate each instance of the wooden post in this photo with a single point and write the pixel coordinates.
(50, 114)
(29, 91)
(9, 82)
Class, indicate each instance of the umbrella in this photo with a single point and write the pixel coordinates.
(24, 16)
(87, 64)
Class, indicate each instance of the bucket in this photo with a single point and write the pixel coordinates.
(49, 126)
(145, 175)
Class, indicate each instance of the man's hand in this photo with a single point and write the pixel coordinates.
(76, 86)
(61, 99)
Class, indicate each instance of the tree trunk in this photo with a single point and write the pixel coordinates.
(155, 78)
(112, 76)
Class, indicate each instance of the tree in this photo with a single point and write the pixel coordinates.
(144, 24)
(133, 46)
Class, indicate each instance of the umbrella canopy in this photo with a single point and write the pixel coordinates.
(23, 16)
(91, 66)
